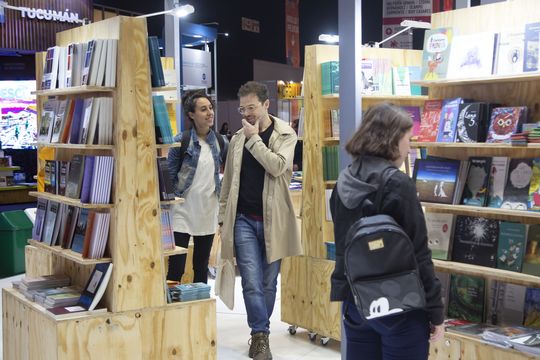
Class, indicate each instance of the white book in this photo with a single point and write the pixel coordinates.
(110, 69)
(96, 58)
(105, 121)
(47, 121)
(62, 51)
(327, 195)
(97, 230)
(92, 125)
(87, 114)
(510, 53)
(497, 180)
(439, 231)
(472, 55)
(59, 120)
(50, 222)
(70, 58)
(96, 180)
(505, 303)
(78, 64)
(87, 62)
(50, 70)
(401, 81)
(100, 77)
(462, 177)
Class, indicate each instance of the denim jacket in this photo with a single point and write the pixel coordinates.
(182, 174)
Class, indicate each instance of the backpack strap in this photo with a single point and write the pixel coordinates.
(186, 137)
(384, 177)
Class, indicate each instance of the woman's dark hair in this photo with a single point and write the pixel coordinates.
(223, 130)
(189, 101)
(256, 88)
(383, 126)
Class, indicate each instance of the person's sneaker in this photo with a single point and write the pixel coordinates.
(259, 348)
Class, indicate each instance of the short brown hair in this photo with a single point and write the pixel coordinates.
(189, 101)
(383, 126)
(256, 88)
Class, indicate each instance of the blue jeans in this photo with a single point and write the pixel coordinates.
(259, 279)
(401, 336)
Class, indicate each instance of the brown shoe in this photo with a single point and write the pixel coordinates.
(260, 347)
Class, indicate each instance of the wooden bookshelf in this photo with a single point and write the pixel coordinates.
(69, 201)
(168, 146)
(164, 88)
(464, 150)
(523, 216)
(177, 200)
(75, 90)
(69, 254)
(331, 139)
(78, 147)
(176, 251)
(485, 80)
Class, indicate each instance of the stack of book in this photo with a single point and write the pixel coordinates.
(190, 292)
(534, 135)
(519, 139)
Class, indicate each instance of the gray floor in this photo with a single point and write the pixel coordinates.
(233, 333)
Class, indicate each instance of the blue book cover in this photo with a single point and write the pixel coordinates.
(436, 180)
(532, 308)
(530, 58)
(87, 178)
(96, 285)
(80, 230)
(76, 121)
(512, 239)
(448, 120)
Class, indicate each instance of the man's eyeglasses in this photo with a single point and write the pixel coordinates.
(249, 108)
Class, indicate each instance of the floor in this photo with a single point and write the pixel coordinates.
(283, 345)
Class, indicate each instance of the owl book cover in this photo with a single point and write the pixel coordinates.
(475, 241)
(504, 122)
(516, 191)
(475, 192)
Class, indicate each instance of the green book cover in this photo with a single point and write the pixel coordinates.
(330, 77)
(511, 247)
(466, 298)
(436, 54)
(531, 261)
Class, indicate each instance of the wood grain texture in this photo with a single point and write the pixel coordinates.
(37, 261)
(526, 217)
(326, 314)
(296, 308)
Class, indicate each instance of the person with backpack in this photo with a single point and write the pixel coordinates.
(194, 169)
(389, 326)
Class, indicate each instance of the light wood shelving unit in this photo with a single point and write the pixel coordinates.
(305, 280)
(139, 324)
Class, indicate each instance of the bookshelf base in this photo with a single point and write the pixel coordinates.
(175, 331)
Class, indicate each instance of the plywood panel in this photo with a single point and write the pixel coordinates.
(326, 314)
(296, 308)
(446, 349)
(106, 29)
(37, 261)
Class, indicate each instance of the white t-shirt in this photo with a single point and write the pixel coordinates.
(198, 215)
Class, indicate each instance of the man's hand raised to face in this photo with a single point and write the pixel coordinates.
(250, 130)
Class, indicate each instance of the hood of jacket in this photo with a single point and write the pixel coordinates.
(360, 179)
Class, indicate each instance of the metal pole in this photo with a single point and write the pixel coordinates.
(215, 85)
(178, 69)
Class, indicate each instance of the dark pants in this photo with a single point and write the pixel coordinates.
(201, 253)
(401, 336)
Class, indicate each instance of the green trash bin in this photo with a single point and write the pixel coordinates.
(15, 230)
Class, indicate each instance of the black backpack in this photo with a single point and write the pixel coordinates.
(380, 264)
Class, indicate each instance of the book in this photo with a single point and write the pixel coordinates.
(532, 308)
(429, 123)
(516, 190)
(531, 260)
(534, 187)
(510, 48)
(530, 47)
(414, 112)
(37, 230)
(161, 121)
(59, 120)
(50, 225)
(156, 68)
(511, 247)
(167, 236)
(474, 330)
(415, 74)
(475, 241)
(497, 181)
(75, 176)
(472, 55)
(47, 121)
(472, 122)
(475, 191)
(436, 180)
(444, 279)
(367, 76)
(87, 62)
(466, 298)
(96, 285)
(436, 53)
(504, 122)
(505, 303)
(77, 243)
(448, 120)
(330, 77)
(166, 187)
(87, 179)
(382, 76)
(439, 231)
(50, 69)
(401, 82)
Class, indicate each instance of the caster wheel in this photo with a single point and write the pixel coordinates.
(292, 329)
(324, 341)
(312, 336)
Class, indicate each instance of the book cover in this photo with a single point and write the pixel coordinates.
(165, 184)
(512, 240)
(87, 178)
(475, 241)
(415, 74)
(436, 53)
(414, 111)
(475, 192)
(50, 69)
(534, 187)
(516, 191)
(330, 77)
(71, 221)
(59, 120)
(532, 308)
(472, 122)
(382, 76)
(47, 121)
(448, 120)
(87, 62)
(77, 243)
(367, 76)
(530, 47)
(497, 180)
(429, 123)
(505, 303)
(504, 122)
(75, 130)
(40, 219)
(474, 330)
(439, 231)
(50, 223)
(76, 170)
(401, 82)
(510, 46)
(531, 261)
(444, 279)
(436, 180)
(466, 298)
(96, 285)
(156, 68)
(472, 55)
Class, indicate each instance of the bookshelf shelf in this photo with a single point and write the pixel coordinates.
(480, 346)
(16, 187)
(492, 79)
(168, 146)
(330, 96)
(482, 271)
(69, 201)
(177, 200)
(329, 184)
(176, 251)
(530, 217)
(76, 90)
(88, 147)
(164, 88)
(10, 168)
(333, 139)
(69, 254)
(395, 98)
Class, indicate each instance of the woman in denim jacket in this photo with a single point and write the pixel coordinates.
(195, 175)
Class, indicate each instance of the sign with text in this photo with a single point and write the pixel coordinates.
(395, 11)
(196, 68)
(251, 25)
(292, 33)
